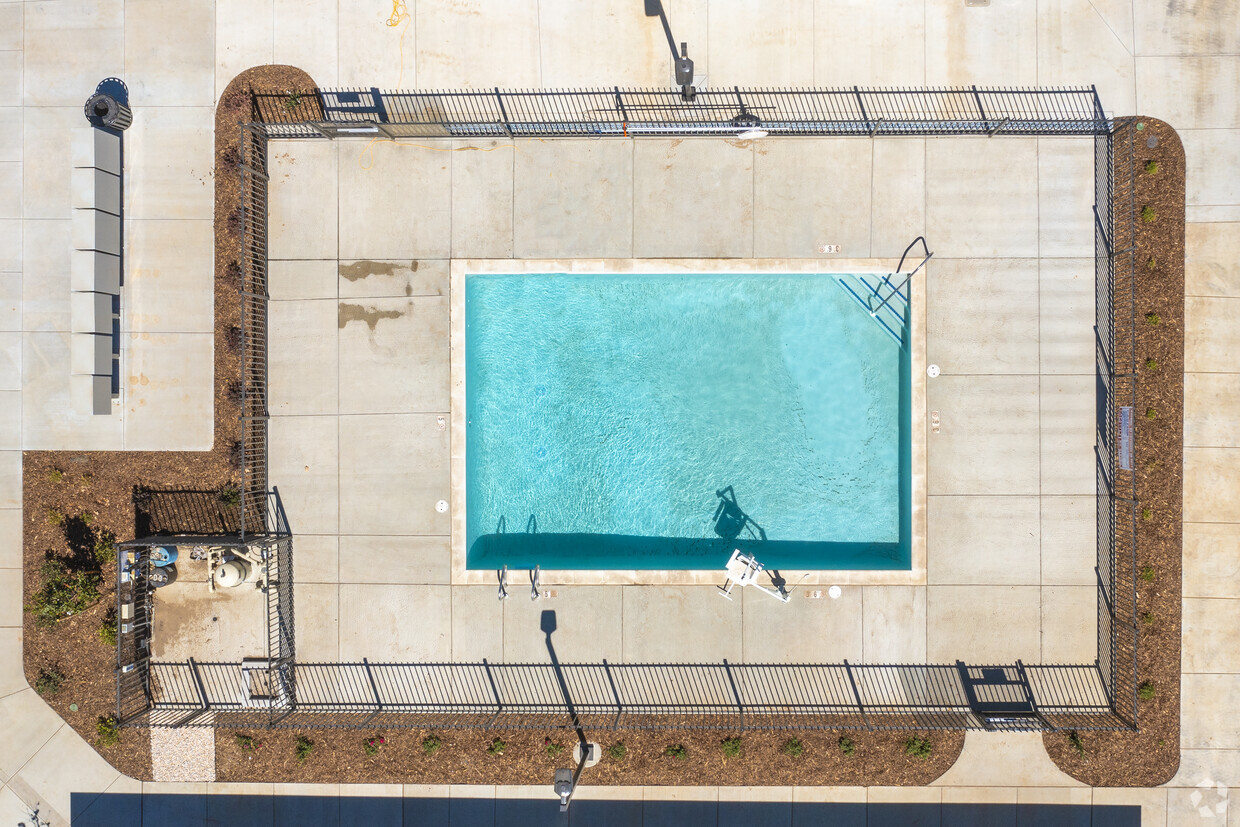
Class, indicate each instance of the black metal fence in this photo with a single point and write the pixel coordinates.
(280, 692)
(617, 112)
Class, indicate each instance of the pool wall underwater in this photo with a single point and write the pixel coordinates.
(633, 421)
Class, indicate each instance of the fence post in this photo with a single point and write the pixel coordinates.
(740, 706)
(857, 696)
(861, 104)
(374, 690)
(614, 694)
(499, 705)
(503, 111)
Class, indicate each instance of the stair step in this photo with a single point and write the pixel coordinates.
(869, 290)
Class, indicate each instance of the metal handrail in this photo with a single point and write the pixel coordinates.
(907, 278)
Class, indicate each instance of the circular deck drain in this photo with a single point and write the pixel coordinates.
(932, 371)
(441, 506)
(834, 592)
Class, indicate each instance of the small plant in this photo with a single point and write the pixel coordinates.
(1148, 215)
(1152, 318)
(1147, 574)
(1151, 263)
(1147, 618)
(55, 475)
(1145, 691)
(731, 747)
(107, 732)
(63, 592)
(1075, 742)
(292, 101)
(1147, 514)
(617, 751)
(55, 517)
(105, 548)
(497, 747)
(86, 518)
(431, 744)
(676, 751)
(846, 745)
(1151, 364)
(48, 682)
(1151, 414)
(247, 743)
(107, 631)
(371, 746)
(229, 495)
(1151, 167)
(917, 747)
(793, 748)
(303, 748)
(553, 749)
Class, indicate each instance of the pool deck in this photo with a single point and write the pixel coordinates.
(1177, 61)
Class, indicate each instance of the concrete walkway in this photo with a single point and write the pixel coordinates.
(1178, 61)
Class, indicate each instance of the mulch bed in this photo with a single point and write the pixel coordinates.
(1152, 755)
(60, 487)
(339, 756)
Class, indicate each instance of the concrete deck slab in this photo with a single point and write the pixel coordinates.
(220, 626)
(11, 591)
(393, 279)
(767, 45)
(1211, 560)
(1066, 316)
(10, 361)
(1197, 765)
(655, 618)
(304, 211)
(317, 620)
(11, 19)
(169, 158)
(395, 560)
(982, 196)
(1212, 102)
(10, 479)
(482, 199)
(317, 558)
(1153, 802)
(977, 313)
(11, 133)
(983, 624)
(1067, 423)
(1213, 160)
(1207, 496)
(477, 624)
(1077, 48)
(29, 724)
(576, 199)
(10, 190)
(304, 463)
(168, 392)
(1066, 197)
(579, 636)
(303, 352)
(1166, 30)
(10, 538)
(988, 442)
(701, 176)
(10, 420)
(894, 624)
(1212, 409)
(898, 200)
(373, 54)
(305, 34)
(169, 278)
(1069, 540)
(622, 45)
(983, 541)
(64, 765)
(66, 42)
(1206, 721)
(46, 279)
(46, 366)
(980, 44)
(393, 469)
(244, 37)
(830, 206)
(1211, 631)
(805, 630)
(389, 174)
(302, 279)
(378, 622)
(1069, 624)
(885, 44)
(474, 49)
(394, 355)
(46, 142)
(11, 298)
(1211, 334)
(1211, 251)
(167, 59)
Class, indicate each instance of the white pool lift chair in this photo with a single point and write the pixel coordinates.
(743, 570)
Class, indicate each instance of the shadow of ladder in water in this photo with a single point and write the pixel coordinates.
(869, 290)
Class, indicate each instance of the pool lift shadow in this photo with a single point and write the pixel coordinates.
(743, 569)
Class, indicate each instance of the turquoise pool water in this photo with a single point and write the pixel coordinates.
(658, 421)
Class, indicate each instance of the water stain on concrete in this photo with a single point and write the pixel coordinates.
(364, 269)
(370, 315)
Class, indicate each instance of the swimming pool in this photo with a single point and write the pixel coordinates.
(635, 421)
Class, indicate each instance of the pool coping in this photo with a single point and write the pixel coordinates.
(460, 268)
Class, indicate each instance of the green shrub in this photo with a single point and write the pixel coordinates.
(1147, 574)
(846, 745)
(1075, 742)
(1145, 691)
(617, 751)
(917, 747)
(48, 682)
(431, 744)
(292, 101)
(1147, 618)
(1148, 215)
(676, 751)
(1151, 167)
(371, 745)
(731, 747)
(247, 743)
(229, 495)
(497, 747)
(1151, 263)
(55, 475)
(107, 732)
(105, 548)
(303, 748)
(63, 592)
(1147, 513)
(55, 517)
(553, 749)
(86, 518)
(1152, 318)
(1151, 414)
(107, 632)
(793, 748)
(1151, 364)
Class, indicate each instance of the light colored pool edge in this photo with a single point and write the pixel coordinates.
(460, 575)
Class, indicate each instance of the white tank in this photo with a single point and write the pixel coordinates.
(233, 573)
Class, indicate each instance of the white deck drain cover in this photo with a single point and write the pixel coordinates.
(441, 506)
(835, 592)
(932, 371)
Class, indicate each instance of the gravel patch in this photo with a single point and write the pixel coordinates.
(184, 754)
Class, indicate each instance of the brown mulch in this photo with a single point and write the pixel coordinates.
(102, 484)
(462, 758)
(1152, 755)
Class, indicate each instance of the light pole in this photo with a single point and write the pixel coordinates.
(684, 66)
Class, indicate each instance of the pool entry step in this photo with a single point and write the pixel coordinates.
(871, 291)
